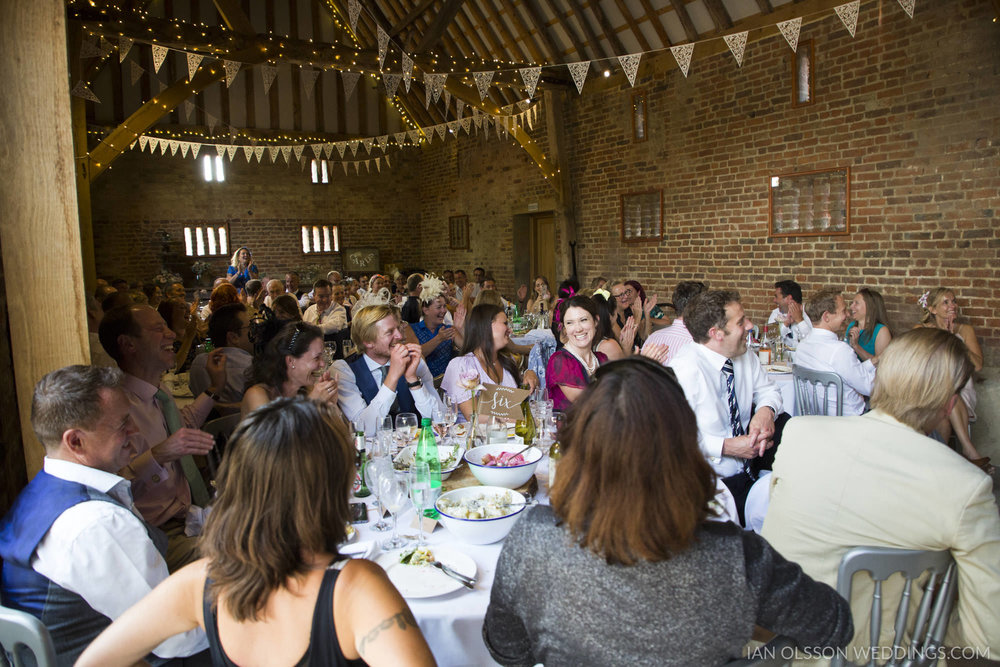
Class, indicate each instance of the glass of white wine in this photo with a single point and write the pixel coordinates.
(406, 427)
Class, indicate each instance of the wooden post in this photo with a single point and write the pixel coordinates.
(561, 182)
(40, 234)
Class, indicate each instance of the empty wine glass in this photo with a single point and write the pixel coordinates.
(406, 427)
(422, 495)
(392, 493)
(378, 448)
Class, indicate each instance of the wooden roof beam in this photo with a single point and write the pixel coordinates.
(609, 31)
(526, 34)
(633, 26)
(441, 22)
(719, 15)
(597, 47)
(581, 53)
(234, 16)
(410, 17)
(765, 6)
(654, 18)
(535, 17)
(682, 15)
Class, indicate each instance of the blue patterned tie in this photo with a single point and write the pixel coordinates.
(734, 406)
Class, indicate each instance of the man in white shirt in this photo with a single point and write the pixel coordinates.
(723, 384)
(676, 336)
(329, 316)
(794, 322)
(387, 376)
(275, 288)
(822, 350)
(229, 330)
(76, 552)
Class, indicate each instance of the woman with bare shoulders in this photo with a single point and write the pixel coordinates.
(272, 588)
(941, 312)
(868, 334)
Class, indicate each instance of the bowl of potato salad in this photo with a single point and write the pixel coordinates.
(480, 514)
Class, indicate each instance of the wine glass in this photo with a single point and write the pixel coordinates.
(378, 448)
(496, 431)
(392, 494)
(406, 427)
(422, 495)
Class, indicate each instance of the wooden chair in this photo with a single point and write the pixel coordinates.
(220, 429)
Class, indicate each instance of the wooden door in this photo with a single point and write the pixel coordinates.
(543, 249)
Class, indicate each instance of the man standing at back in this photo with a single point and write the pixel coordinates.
(76, 554)
(164, 477)
(794, 323)
(878, 480)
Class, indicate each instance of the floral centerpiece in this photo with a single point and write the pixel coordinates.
(165, 277)
(199, 268)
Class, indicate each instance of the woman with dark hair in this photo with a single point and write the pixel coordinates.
(290, 365)
(571, 368)
(272, 588)
(541, 300)
(631, 441)
(868, 334)
(607, 342)
(484, 359)
(631, 302)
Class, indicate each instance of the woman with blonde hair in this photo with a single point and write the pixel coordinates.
(868, 334)
(941, 312)
(241, 268)
(272, 588)
(631, 441)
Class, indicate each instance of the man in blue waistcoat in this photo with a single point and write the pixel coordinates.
(387, 376)
(76, 553)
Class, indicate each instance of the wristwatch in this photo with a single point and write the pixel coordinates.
(213, 395)
(415, 383)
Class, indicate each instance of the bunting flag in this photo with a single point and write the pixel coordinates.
(383, 45)
(466, 124)
(682, 54)
(499, 128)
(159, 53)
(579, 72)
(849, 15)
(353, 145)
(194, 61)
(273, 151)
(220, 149)
(174, 146)
(327, 151)
(195, 147)
(368, 142)
(530, 76)
(187, 108)
(378, 164)
(154, 144)
(185, 147)
(447, 101)
(258, 153)
(341, 146)
(344, 165)
(453, 127)
(459, 107)
(357, 168)
(414, 136)
(407, 71)
(231, 152)
(211, 121)
(232, 69)
(483, 80)
(88, 49)
(308, 81)
(430, 135)
(125, 45)
(317, 150)
(106, 48)
(427, 93)
(436, 83)
(383, 141)
(387, 161)
(523, 104)
(81, 90)
(400, 138)
(350, 80)
(478, 120)
(630, 64)
(143, 140)
(737, 44)
(298, 151)
(164, 145)
(267, 74)
(790, 29)
(286, 152)
(391, 82)
(353, 9)
(136, 71)
(368, 166)
(907, 6)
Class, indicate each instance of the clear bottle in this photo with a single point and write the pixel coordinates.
(555, 455)
(361, 489)
(427, 451)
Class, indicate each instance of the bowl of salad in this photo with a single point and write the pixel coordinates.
(450, 457)
(480, 514)
(502, 464)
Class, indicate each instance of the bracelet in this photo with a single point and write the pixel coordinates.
(214, 396)
(414, 384)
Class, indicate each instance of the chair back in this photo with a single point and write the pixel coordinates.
(935, 605)
(813, 391)
(220, 429)
(20, 634)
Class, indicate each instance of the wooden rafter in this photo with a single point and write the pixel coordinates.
(441, 22)
(581, 53)
(633, 26)
(410, 17)
(234, 17)
(765, 6)
(682, 15)
(719, 15)
(597, 47)
(516, 52)
(654, 18)
(609, 31)
(530, 41)
(504, 49)
(544, 31)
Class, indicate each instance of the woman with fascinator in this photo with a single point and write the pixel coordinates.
(437, 339)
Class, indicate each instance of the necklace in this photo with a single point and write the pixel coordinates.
(590, 367)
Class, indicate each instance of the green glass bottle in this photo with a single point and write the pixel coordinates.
(361, 489)
(525, 426)
(427, 451)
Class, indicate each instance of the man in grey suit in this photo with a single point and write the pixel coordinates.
(878, 480)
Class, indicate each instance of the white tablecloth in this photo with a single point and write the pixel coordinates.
(786, 384)
(453, 623)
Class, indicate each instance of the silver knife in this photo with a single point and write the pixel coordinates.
(457, 576)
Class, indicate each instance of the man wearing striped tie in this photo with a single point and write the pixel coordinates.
(728, 390)
(165, 479)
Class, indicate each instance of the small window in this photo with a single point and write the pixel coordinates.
(206, 241)
(212, 169)
(802, 74)
(639, 116)
(642, 216)
(320, 239)
(320, 173)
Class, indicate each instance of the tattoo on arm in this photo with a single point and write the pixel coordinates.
(402, 619)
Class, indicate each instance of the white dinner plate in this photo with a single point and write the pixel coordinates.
(778, 368)
(426, 581)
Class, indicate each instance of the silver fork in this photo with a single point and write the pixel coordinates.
(457, 576)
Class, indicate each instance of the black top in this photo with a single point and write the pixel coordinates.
(323, 651)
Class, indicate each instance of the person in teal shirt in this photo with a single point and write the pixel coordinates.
(869, 334)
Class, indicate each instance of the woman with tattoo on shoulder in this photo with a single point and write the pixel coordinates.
(271, 561)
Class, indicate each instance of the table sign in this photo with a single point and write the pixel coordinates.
(504, 402)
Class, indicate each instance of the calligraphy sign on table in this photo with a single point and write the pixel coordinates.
(503, 402)
(361, 260)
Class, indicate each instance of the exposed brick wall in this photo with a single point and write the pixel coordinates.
(909, 105)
